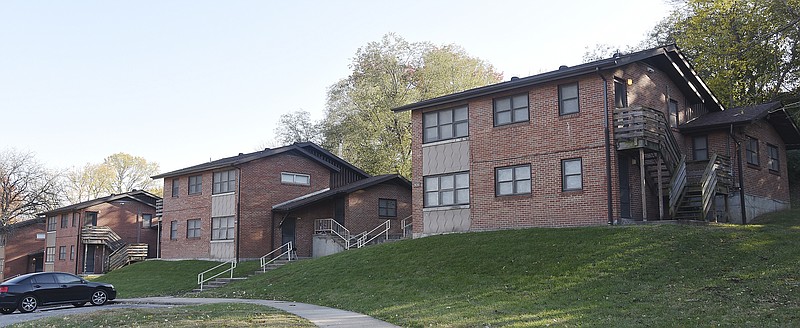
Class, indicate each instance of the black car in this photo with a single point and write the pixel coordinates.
(28, 292)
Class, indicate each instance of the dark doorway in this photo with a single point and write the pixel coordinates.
(624, 164)
(288, 231)
(620, 94)
(338, 212)
(36, 262)
(89, 259)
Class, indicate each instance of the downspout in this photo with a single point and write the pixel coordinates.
(607, 133)
(741, 176)
(78, 242)
(238, 210)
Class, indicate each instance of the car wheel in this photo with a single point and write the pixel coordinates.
(28, 303)
(7, 310)
(78, 304)
(99, 297)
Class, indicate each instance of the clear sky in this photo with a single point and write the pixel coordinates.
(183, 82)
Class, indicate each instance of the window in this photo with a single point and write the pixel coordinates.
(51, 224)
(444, 190)
(774, 161)
(175, 187)
(673, 113)
(222, 228)
(295, 178)
(90, 219)
(752, 151)
(387, 207)
(40, 236)
(224, 181)
(571, 174)
(75, 217)
(63, 278)
(62, 253)
(193, 228)
(568, 99)
(147, 220)
(515, 180)
(173, 230)
(195, 184)
(620, 93)
(72, 252)
(64, 221)
(50, 254)
(445, 124)
(511, 109)
(700, 148)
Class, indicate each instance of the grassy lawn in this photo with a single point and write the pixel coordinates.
(650, 275)
(212, 315)
(164, 278)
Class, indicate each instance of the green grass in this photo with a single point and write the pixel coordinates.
(165, 278)
(650, 275)
(211, 315)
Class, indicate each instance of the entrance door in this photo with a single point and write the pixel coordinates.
(89, 258)
(288, 231)
(624, 162)
(36, 263)
(338, 213)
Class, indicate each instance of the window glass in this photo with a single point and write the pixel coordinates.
(571, 175)
(173, 230)
(513, 180)
(295, 178)
(175, 187)
(445, 190)
(700, 145)
(752, 151)
(67, 279)
(445, 124)
(387, 207)
(774, 160)
(193, 228)
(222, 228)
(568, 98)
(195, 184)
(47, 278)
(511, 109)
(224, 182)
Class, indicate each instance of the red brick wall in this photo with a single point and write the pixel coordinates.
(120, 216)
(182, 208)
(21, 243)
(361, 212)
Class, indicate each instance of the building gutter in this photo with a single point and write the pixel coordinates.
(607, 134)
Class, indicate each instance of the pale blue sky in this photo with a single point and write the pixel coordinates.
(182, 82)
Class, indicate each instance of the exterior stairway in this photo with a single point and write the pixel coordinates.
(219, 282)
(121, 253)
(347, 240)
(690, 187)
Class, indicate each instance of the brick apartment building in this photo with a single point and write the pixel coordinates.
(102, 234)
(24, 248)
(245, 206)
(632, 137)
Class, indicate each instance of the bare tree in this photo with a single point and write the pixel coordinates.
(130, 172)
(89, 182)
(26, 188)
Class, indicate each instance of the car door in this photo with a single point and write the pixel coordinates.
(71, 288)
(45, 288)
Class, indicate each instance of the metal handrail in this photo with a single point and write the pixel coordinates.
(332, 226)
(406, 223)
(288, 253)
(201, 276)
(363, 240)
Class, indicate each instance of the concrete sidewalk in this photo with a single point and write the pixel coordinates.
(319, 315)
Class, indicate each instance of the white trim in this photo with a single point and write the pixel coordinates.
(222, 241)
(441, 142)
(301, 197)
(445, 208)
(223, 194)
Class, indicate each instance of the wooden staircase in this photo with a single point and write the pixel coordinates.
(689, 187)
(121, 254)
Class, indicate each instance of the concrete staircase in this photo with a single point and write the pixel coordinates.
(219, 282)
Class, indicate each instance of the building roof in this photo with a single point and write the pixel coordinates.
(326, 194)
(307, 149)
(668, 59)
(140, 196)
(773, 112)
(25, 223)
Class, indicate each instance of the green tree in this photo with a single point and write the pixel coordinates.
(297, 127)
(359, 124)
(89, 182)
(747, 51)
(118, 173)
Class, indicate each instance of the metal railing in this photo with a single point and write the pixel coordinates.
(201, 279)
(266, 260)
(364, 237)
(407, 225)
(335, 228)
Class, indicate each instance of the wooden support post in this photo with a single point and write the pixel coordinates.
(660, 192)
(642, 173)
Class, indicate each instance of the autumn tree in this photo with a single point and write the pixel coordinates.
(359, 124)
(26, 188)
(118, 173)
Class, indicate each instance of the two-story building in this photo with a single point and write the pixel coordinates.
(22, 248)
(102, 234)
(632, 137)
(245, 206)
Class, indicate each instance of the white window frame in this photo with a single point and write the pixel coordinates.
(224, 186)
(295, 178)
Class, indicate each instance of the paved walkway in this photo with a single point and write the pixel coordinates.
(319, 315)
